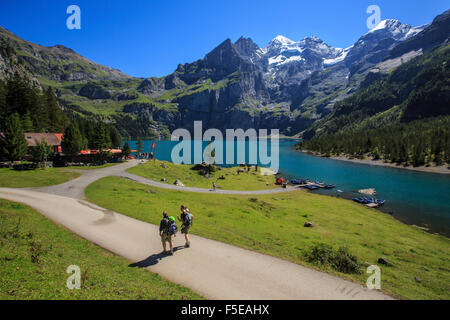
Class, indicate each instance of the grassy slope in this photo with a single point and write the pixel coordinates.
(10, 178)
(93, 167)
(245, 181)
(107, 276)
(273, 224)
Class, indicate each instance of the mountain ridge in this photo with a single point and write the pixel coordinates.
(287, 84)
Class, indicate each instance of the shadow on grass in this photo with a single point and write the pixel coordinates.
(154, 259)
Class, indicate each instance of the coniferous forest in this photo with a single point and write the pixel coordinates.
(25, 107)
(403, 118)
(418, 143)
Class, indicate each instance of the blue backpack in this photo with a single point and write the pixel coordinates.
(173, 229)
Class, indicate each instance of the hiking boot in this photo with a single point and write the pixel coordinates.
(187, 245)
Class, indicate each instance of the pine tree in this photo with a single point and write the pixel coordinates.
(126, 150)
(116, 139)
(57, 119)
(22, 97)
(27, 124)
(418, 155)
(13, 143)
(72, 142)
(140, 147)
(101, 139)
(40, 117)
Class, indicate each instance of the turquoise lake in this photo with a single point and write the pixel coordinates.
(416, 198)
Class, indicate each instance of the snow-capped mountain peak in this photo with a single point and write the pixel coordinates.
(282, 51)
(281, 40)
(396, 29)
(382, 25)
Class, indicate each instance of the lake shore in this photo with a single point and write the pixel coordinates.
(433, 169)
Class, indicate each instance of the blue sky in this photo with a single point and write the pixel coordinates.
(147, 38)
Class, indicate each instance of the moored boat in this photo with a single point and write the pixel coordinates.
(311, 187)
(370, 202)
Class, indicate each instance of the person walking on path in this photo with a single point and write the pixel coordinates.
(214, 186)
(167, 231)
(186, 219)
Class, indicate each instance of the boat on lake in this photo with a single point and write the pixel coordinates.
(370, 202)
(299, 181)
(311, 187)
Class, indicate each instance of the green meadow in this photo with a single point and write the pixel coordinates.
(252, 180)
(35, 253)
(10, 178)
(93, 167)
(274, 225)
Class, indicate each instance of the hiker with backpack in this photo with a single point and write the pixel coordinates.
(186, 219)
(167, 231)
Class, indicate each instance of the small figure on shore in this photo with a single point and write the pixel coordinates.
(214, 186)
(167, 231)
(186, 219)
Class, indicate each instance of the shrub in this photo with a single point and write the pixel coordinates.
(204, 169)
(341, 260)
(346, 262)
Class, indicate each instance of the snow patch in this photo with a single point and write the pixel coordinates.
(341, 57)
(415, 30)
(283, 40)
(382, 25)
(280, 60)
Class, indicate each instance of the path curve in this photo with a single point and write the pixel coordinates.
(213, 269)
(75, 188)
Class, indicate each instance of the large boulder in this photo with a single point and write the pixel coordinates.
(178, 183)
(384, 261)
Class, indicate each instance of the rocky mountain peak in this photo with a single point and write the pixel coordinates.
(380, 40)
(224, 55)
(246, 47)
(394, 29)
